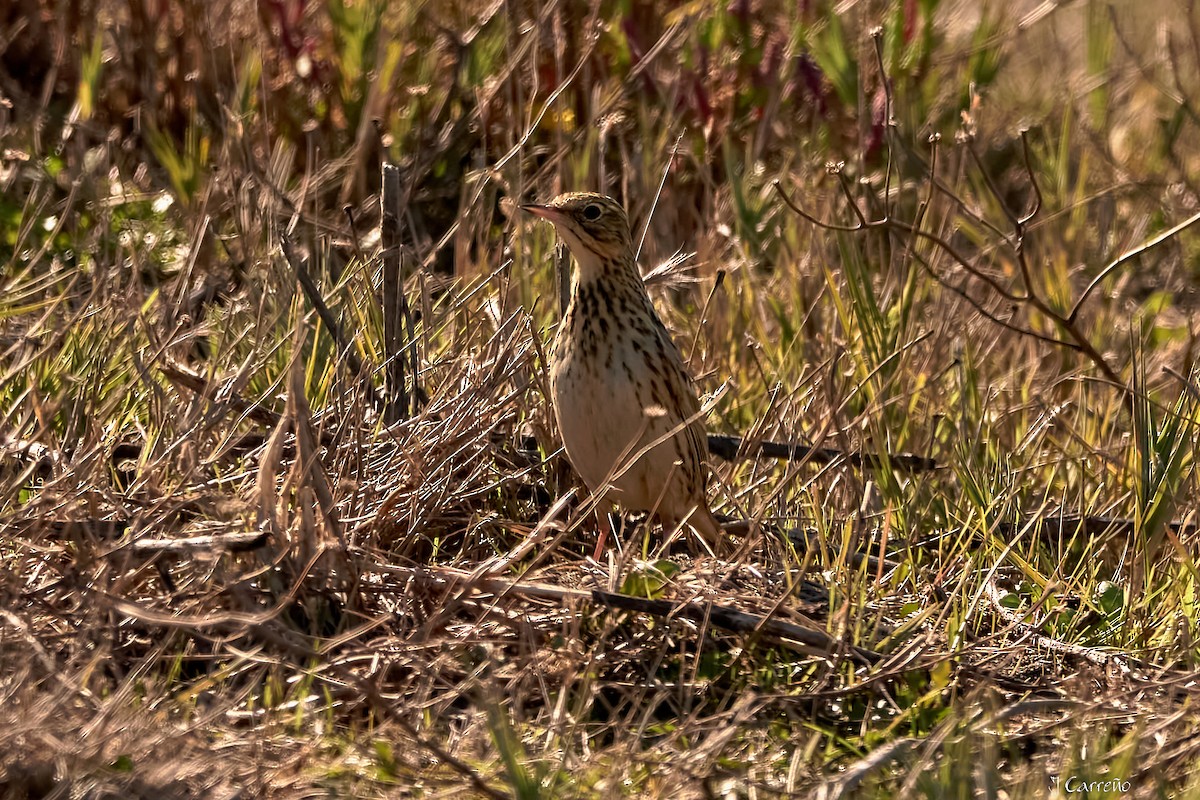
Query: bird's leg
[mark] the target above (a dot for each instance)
(673, 530)
(607, 520)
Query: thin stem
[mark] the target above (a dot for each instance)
(1037, 190)
(657, 194)
(888, 123)
(1135, 252)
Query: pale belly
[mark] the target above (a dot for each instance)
(607, 416)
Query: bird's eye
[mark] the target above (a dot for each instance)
(591, 212)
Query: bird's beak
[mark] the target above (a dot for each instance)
(548, 213)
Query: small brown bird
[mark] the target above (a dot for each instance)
(626, 407)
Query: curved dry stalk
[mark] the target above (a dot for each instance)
(1144, 247)
(1101, 658)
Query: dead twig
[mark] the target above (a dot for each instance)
(807, 641)
(240, 542)
(1030, 295)
(728, 447)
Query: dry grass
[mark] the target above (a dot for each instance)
(225, 575)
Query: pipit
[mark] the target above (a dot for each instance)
(625, 405)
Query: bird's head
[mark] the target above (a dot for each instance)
(593, 226)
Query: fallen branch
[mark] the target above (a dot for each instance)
(728, 447)
(240, 542)
(807, 641)
(112, 529)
